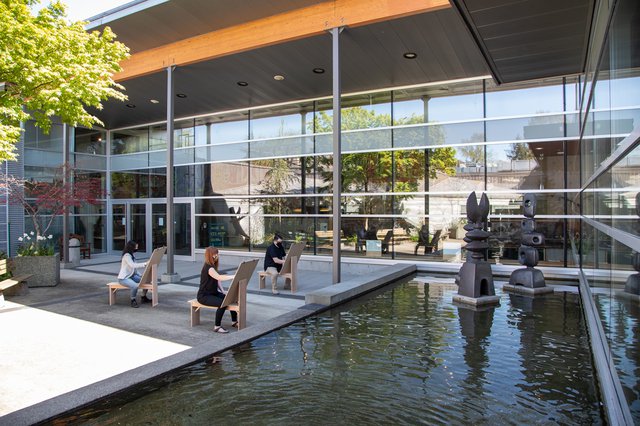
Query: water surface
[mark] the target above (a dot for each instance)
(406, 355)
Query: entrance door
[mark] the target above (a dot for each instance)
(138, 221)
(181, 224)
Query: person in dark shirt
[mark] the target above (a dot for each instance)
(211, 292)
(273, 261)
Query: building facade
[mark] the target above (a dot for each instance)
(411, 154)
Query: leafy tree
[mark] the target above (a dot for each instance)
(43, 201)
(519, 151)
(50, 67)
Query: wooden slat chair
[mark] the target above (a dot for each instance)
(148, 280)
(236, 298)
(9, 282)
(289, 269)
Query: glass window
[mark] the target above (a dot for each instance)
(438, 103)
(222, 179)
(90, 141)
(129, 141)
(537, 165)
(277, 176)
(35, 137)
(130, 185)
(229, 127)
(535, 97)
(287, 120)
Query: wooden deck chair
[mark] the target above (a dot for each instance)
(289, 269)
(148, 280)
(236, 298)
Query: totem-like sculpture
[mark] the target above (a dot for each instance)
(528, 280)
(475, 280)
(632, 285)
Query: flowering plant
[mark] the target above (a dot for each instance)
(36, 246)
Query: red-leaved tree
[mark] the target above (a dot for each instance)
(43, 201)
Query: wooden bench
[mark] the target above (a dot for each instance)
(148, 280)
(236, 298)
(10, 282)
(289, 268)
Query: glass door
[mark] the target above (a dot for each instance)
(182, 227)
(119, 226)
(138, 221)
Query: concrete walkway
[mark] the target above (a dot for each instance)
(57, 339)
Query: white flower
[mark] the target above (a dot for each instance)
(50, 236)
(25, 235)
(20, 239)
(31, 233)
(28, 238)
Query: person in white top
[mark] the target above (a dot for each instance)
(128, 274)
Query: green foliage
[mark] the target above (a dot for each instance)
(52, 67)
(520, 151)
(32, 245)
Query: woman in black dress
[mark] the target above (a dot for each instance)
(211, 292)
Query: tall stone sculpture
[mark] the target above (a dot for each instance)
(528, 280)
(475, 280)
(632, 285)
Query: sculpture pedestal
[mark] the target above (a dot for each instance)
(633, 284)
(527, 277)
(476, 301)
(526, 290)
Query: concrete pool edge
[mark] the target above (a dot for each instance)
(116, 386)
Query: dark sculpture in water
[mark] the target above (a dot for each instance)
(633, 282)
(475, 279)
(528, 256)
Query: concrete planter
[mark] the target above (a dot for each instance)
(45, 269)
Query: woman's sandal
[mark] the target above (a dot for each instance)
(219, 330)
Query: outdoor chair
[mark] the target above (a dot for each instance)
(387, 241)
(289, 269)
(423, 240)
(236, 298)
(148, 280)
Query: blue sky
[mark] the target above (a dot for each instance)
(82, 9)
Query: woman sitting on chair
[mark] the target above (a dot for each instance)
(211, 292)
(128, 274)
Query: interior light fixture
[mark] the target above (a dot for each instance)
(318, 70)
(538, 148)
(242, 83)
(410, 55)
(154, 101)
(278, 77)
(560, 152)
(181, 95)
(131, 106)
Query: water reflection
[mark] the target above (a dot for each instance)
(405, 355)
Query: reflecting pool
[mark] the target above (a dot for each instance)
(403, 355)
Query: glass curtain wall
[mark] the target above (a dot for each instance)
(608, 239)
(410, 159)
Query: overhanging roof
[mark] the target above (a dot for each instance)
(529, 39)
(371, 59)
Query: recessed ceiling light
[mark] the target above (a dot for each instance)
(278, 77)
(318, 70)
(181, 95)
(131, 106)
(410, 55)
(242, 83)
(538, 148)
(154, 101)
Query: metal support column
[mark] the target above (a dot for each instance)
(337, 153)
(65, 211)
(170, 276)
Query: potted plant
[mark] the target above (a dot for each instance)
(36, 257)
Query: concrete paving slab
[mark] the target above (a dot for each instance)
(44, 354)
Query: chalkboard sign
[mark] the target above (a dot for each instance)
(217, 232)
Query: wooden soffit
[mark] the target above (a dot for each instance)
(284, 27)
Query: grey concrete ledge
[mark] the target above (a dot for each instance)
(339, 293)
(132, 384)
